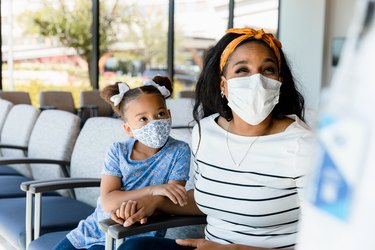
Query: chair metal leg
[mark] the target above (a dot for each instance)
(108, 242)
(29, 212)
(119, 242)
(37, 213)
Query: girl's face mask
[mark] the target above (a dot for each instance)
(154, 134)
(253, 98)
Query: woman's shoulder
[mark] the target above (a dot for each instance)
(297, 124)
(298, 129)
(207, 122)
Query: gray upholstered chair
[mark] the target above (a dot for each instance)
(49, 151)
(187, 94)
(91, 100)
(16, 97)
(95, 139)
(93, 105)
(181, 111)
(15, 137)
(5, 107)
(61, 100)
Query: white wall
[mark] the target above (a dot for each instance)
(301, 31)
(338, 19)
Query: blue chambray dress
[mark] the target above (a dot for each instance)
(172, 162)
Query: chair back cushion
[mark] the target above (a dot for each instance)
(17, 131)
(5, 107)
(92, 97)
(61, 100)
(94, 140)
(53, 137)
(181, 111)
(16, 97)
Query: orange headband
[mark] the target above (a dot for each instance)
(250, 33)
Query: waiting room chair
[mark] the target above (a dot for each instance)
(16, 97)
(91, 99)
(49, 153)
(91, 105)
(61, 100)
(187, 94)
(181, 111)
(86, 166)
(5, 107)
(15, 137)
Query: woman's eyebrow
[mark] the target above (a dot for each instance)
(241, 62)
(269, 59)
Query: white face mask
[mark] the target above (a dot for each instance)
(253, 98)
(154, 134)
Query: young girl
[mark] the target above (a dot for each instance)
(150, 163)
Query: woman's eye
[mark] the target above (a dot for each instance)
(270, 70)
(142, 119)
(241, 70)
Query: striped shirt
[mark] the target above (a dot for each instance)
(257, 203)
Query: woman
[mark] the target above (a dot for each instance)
(251, 150)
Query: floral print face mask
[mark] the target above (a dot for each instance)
(154, 134)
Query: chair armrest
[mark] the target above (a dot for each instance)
(63, 164)
(24, 186)
(10, 161)
(105, 224)
(34, 191)
(13, 146)
(92, 109)
(46, 107)
(41, 186)
(154, 223)
(89, 106)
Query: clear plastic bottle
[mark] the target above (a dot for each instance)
(340, 208)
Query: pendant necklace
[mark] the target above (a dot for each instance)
(247, 151)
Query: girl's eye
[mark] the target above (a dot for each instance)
(161, 114)
(142, 119)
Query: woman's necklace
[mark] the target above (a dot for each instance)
(247, 151)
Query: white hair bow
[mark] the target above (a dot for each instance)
(123, 88)
(163, 90)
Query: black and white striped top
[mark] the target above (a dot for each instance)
(257, 203)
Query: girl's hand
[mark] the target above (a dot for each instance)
(136, 211)
(200, 244)
(127, 209)
(175, 192)
(116, 218)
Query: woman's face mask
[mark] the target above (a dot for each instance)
(253, 98)
(154, 134)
